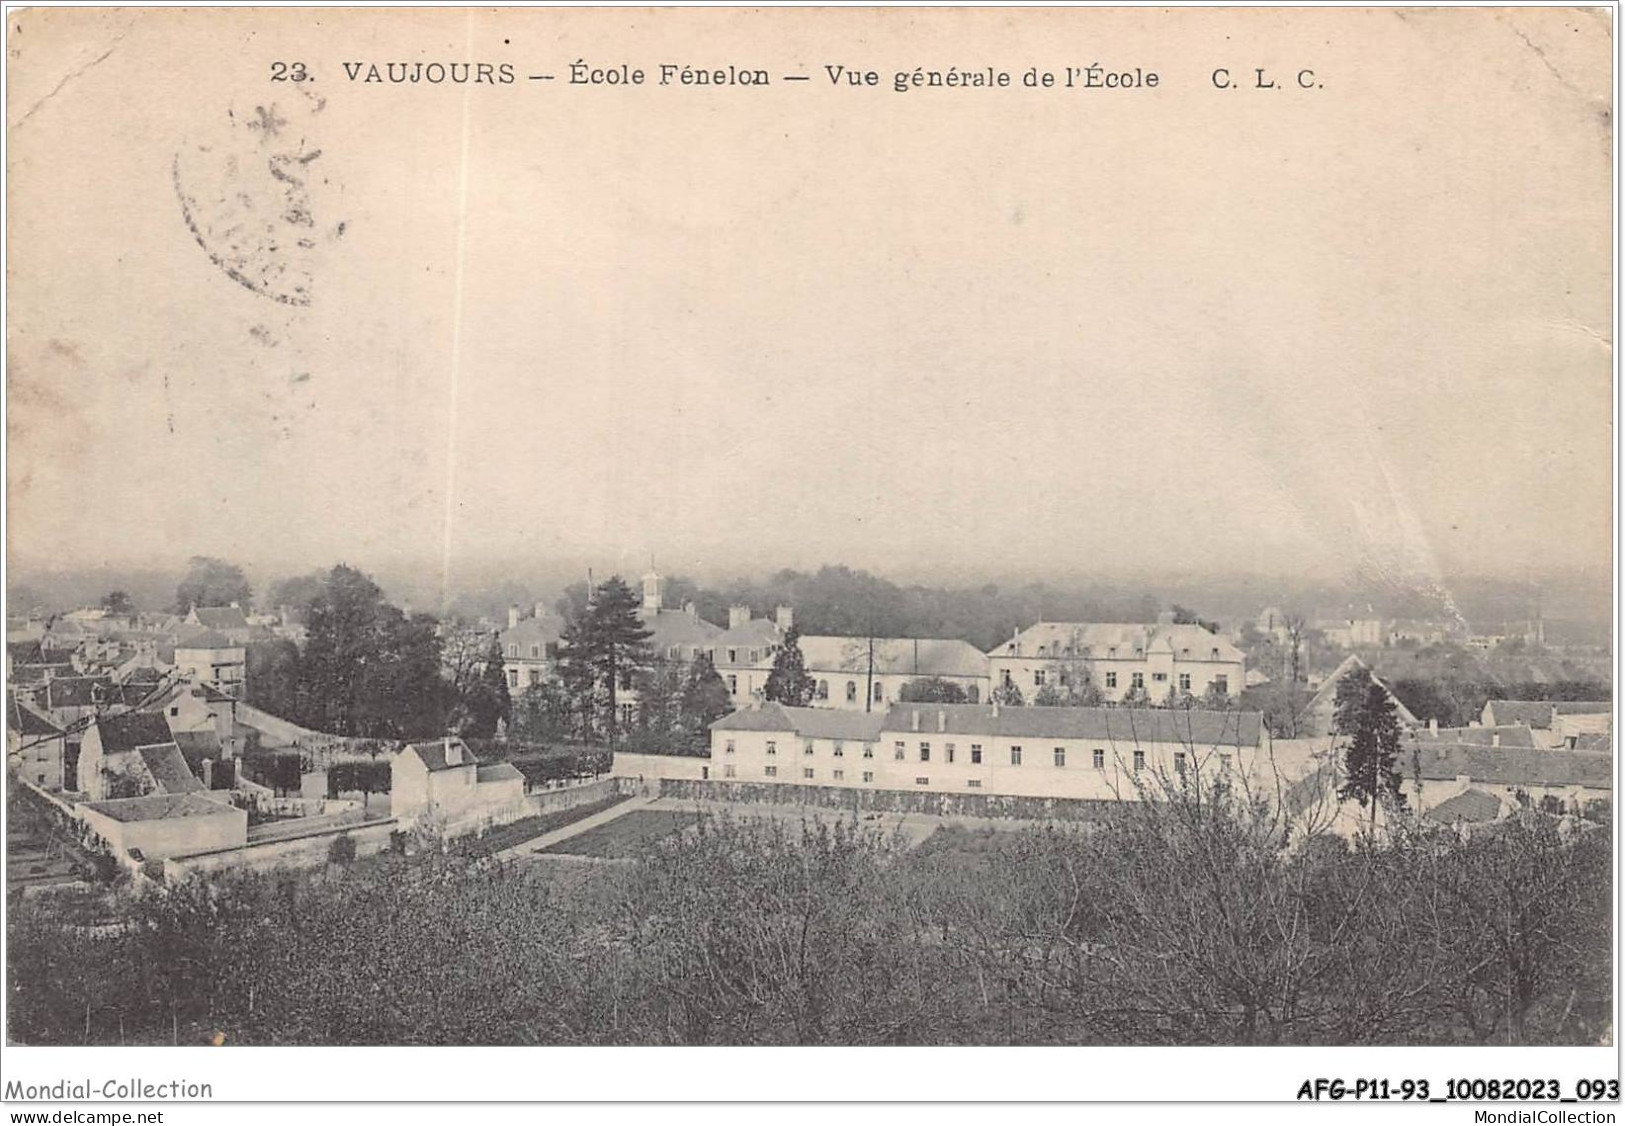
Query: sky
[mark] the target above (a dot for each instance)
(1361, 327)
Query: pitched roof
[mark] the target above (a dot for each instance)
(129, 730)
(894, 656)
(1096, 640)
(432, 753)
(196, 746)
(25, 652)
(1532, 713)
(1317, 715)
(497, 772)
(756, 632)
(221, 617)
(77, 691)
(1507, 734)
(1469, 805)
(169, 770)
(1512, 766)
(1594, 741)
(1192, 727)
(36, 674)
(533, 631)
(1583, 707)
(677, 627)
(26, 721)
(158, 807)
(809, 723)
(208, 639)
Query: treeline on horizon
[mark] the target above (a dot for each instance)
(845, 600)
(1186, 921)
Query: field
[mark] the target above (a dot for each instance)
(518, 832)
(636, 832)
(34, 856)
(628, 835)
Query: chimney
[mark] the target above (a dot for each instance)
(738, 616)
(454, 753)
(914, 719)
(513, 615)
(785, 617)
(540, 610)
(691, 610)
(942, 720)
(1433, 725)
(1015, 642)
(1495, 738)
(995, 708)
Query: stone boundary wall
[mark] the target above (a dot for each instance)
(306, 851)
(934, 803)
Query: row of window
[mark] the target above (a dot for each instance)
(1097, 757)
(1087, 651)
(534, 677)
(1136, 680)
(808, 774)
(551, 649)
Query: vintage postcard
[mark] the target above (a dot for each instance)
(1083, 529)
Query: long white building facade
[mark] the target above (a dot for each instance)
(1100, 753)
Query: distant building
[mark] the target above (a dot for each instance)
(1272, 623)
(1565, 780)
(852, 673)
(214, 659)
(190, 708)
(229, 621)
(69, 699)
(1120, 658)
(1098, 753)
(1461, 785)
(36, 747)
(743, 654)
(1352, 632)
(1318, 716)
(1418, 633)
(1554, 723)
(530, 647)
(1504, 735)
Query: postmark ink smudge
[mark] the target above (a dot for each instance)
(249, 200)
